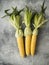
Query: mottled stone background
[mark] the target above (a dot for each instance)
(9, 54)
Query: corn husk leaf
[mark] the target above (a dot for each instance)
(42, 23)
(14, 17)
(39, 20)
(43, 7)
(15, 21)
(27, 16)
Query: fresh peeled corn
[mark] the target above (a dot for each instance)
(33, 44)
(28, 44)
(21, 46)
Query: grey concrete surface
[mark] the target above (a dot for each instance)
(9, 54)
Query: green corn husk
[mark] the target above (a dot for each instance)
(27, 20)
(15, 20)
